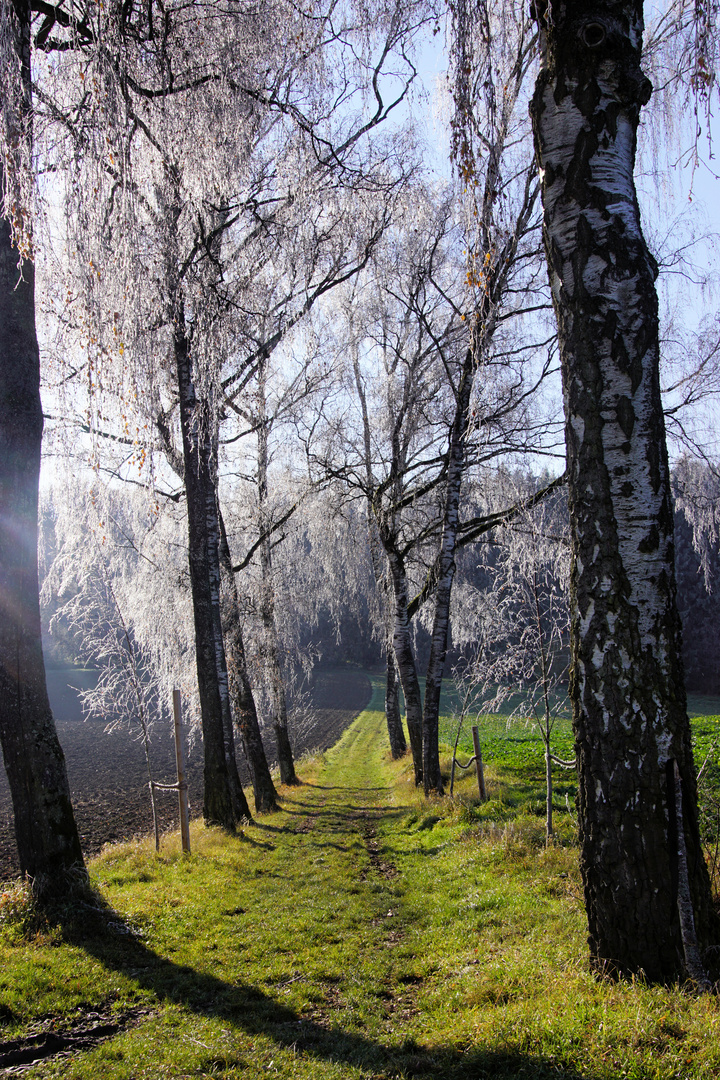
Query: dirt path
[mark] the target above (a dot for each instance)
(343, 819)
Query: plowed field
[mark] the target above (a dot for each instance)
(108, 775)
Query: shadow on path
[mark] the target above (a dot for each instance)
(255, 1013)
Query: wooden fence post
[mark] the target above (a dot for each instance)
(181, 781)
(479, 764)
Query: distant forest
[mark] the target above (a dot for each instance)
(699, 611)
(341, 626)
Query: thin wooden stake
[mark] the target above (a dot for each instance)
(156, 822)
(479, 763)
(181, 781)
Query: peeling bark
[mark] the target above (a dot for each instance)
(626, 687)
(45, 830)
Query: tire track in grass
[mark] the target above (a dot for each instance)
(361, 754)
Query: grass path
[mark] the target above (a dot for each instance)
(359, 933)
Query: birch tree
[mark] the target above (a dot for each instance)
(646, 887)
(383, 583)
(435, 399)
(500, 194)
(212, 158)
(272, 400)
(241, 692)
(154, 83)
(393, 454)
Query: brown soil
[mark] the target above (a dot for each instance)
(48, 1040)
(108, 775)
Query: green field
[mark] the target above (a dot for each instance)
(512, 745)
(514, 760)
(361, 933)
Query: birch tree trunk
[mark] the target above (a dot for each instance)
(47, 838)
(241, 810)
(405, 658)
(396, 735)
(45, 831)
(629, 707)
(243, 702)
(271, 656)
(432, 778)
(203, 541)
(271, 645)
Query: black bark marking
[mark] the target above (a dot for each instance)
(625, 416)
(577, 174)
(651, 542)
(593, 34)
(624, 660)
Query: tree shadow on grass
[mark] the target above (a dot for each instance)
(341, 787)
(103, 934)
(264, 846)
(344, 812)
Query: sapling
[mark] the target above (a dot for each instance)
(115, 590)
(525, 650)
(696, 489)
(126, 693)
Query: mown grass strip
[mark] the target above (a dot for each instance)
(361, 932)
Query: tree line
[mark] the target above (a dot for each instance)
(261, 309)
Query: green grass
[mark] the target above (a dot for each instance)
(359, 933)
(513, 749)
